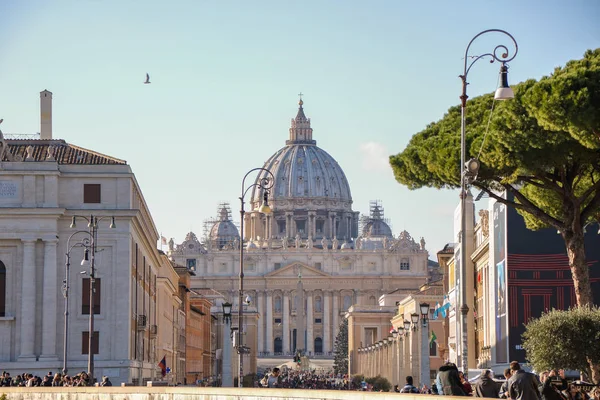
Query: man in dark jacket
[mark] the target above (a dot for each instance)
(504, 388)
(450, 381)
(485, 386)
(550, 391)
(409, 388)
(522, 385)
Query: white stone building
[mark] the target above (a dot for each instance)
(306, 263)
(44, 183)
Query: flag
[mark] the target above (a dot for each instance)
(433, 338)
(163, 240)
(163, 366)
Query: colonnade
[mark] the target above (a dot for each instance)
(265, 226)
(394, 357)
(280, 315)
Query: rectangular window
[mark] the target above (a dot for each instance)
(318, 266)
(91, 193)
(370, 336)
(277, 320)
(85, 296)
(404, 264)
(300, 226)
(319, 227)
(317, 320)
(85, 337)
(276, 265)
(281, 227)
(191, 264)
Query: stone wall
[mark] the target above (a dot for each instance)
(194, 393)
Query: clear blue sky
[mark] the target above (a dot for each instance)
(225, 77)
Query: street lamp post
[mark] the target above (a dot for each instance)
(65, 289)
(264, 184)
(424, 370)
(469, 169)
(89, 256)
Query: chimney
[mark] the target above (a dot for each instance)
(46, 114)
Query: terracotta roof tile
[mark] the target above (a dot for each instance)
(64, 153)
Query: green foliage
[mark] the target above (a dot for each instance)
(379, 383)
(542, 147)
(340, 349)
(3, 397)
(357, 380)
(545, 144)
(564, 339)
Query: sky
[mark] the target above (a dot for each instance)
(225, 77)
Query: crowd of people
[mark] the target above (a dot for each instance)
(300, 379)
(50, 380)
(518, 385)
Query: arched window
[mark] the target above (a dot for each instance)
(372, 301)
(277, 304)
(318, 304)
(277, 345)
(347, 302)
(318, 345)
(433, 349)
(2, 289)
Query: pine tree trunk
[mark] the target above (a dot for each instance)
(595, 371)
(574, 241)
(579, 268)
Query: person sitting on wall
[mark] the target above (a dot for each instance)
(409, 388)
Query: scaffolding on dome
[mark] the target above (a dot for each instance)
(223, 214)
(376, 212)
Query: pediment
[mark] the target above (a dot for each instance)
(293, 269)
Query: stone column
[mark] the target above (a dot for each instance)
(310, 343)
(50, 301)
(288, 224)
(326, 322)
(286, 322)
(414, 356)
(226, 373)
(424, 355)
(260, 302)
(407, 366)
(336, 314)
(269, 322)
(27, 330)
(394, 366)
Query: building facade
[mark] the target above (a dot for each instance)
(49, 190)
(515, 274)
(311, 259)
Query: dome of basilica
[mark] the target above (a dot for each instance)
(303, 170)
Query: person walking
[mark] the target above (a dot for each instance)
(450, 381)
(273, 380)
(522, 385)
(485, 386)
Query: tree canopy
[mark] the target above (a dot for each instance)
(565, 339)
(542, 147)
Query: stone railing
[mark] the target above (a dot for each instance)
(195, 393)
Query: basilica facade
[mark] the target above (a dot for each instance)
(311, 259)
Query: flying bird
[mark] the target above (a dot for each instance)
(147, 79)
(1, 120)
